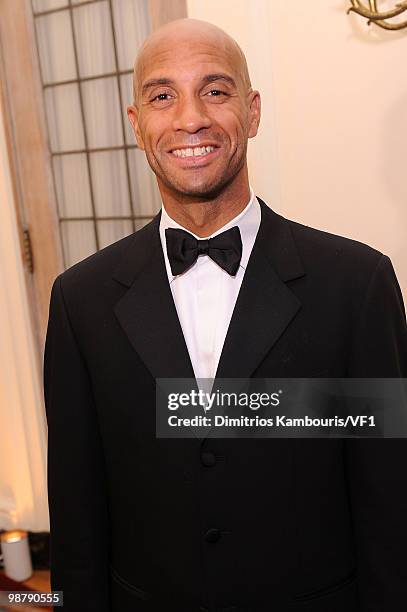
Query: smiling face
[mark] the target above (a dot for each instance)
(194, 108)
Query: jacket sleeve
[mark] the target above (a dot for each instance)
(78, 503)
(377, 468)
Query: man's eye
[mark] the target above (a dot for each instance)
(162, 97)
(216, 93)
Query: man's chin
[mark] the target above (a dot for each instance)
(203, 191)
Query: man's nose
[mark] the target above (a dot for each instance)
(191, 115)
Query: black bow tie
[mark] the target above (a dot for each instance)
(183, 249)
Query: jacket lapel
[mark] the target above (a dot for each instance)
(264, 308)
(147, 311)
(265, 305)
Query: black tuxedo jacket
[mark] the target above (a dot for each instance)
(145, 524)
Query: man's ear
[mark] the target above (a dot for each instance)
(254, 113)
(132, 114)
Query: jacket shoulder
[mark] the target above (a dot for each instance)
(314, 238)
(320, 249)
(100, 266)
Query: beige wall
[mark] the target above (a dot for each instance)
(333, 145)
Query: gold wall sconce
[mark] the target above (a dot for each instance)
(373, 15)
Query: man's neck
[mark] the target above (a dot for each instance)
(203, 217)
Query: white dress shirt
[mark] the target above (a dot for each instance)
(205, 294)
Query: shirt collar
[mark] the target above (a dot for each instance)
(248, 222)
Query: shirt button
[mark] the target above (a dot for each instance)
(208, 459)
(212, 535)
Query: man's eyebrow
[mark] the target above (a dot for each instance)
(208, 78)
(219, 76)
(153, 82)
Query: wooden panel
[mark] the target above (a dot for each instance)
(29, 154)
(39, 581)
(163, 11)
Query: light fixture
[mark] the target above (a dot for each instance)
(16, 555)
(381, 19)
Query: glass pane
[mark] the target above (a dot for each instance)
(102, 112)
(78, 240)
(145, 193)
(72, 186)
(110, 186)
(46, 5)
(94, 40)
(64, 118)
(132, 25)
(55, 47)
(126, 84)
(111, 231)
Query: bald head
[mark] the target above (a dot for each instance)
(194, 110)
(188, 33)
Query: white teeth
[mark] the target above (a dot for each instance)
(196, 152)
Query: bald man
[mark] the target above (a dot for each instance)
(217, 285)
